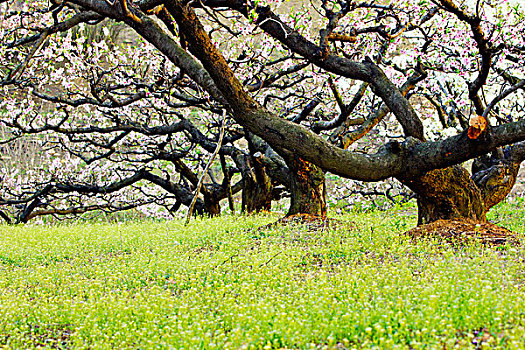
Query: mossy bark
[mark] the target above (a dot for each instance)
(452, 193)
(447, 194)
(495, 178)
(307, 187)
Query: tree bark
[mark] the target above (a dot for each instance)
(452, 193)
(307, 187)
(211, 206)
(495, 177)
(447, 194)
(257, 189)
(257, 193)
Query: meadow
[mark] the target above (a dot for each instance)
(223, 284)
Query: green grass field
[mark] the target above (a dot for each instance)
(221, 284)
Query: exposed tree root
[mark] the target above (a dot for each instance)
(465, 229)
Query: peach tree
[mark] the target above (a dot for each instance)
(366, 90)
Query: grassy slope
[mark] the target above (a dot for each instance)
(217, 284)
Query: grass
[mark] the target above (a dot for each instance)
(219, 284)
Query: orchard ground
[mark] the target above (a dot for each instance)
(223, 283)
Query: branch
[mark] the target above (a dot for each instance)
(486, 55)
(370, 123)
(346, 111)
(504, 94)
(82, 17)
(81, 210)
(22, 66)
(366, 71)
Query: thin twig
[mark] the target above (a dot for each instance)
(273, 257)
(206, 169)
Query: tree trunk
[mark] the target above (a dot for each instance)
(452, 193)
(212, 206)
(257, 189)
(447, 194)
(307, 187)
(495, 177)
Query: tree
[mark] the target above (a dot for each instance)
(457, 64)
(123, 136)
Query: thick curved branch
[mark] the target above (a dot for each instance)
(366, 71)
(394, 160)
(346, 111)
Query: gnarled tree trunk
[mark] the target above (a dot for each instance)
(447, 194)
(257, 189)
(452, 193)
(258, 186)
(212, 206)
(495, 177)
(307, 187)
